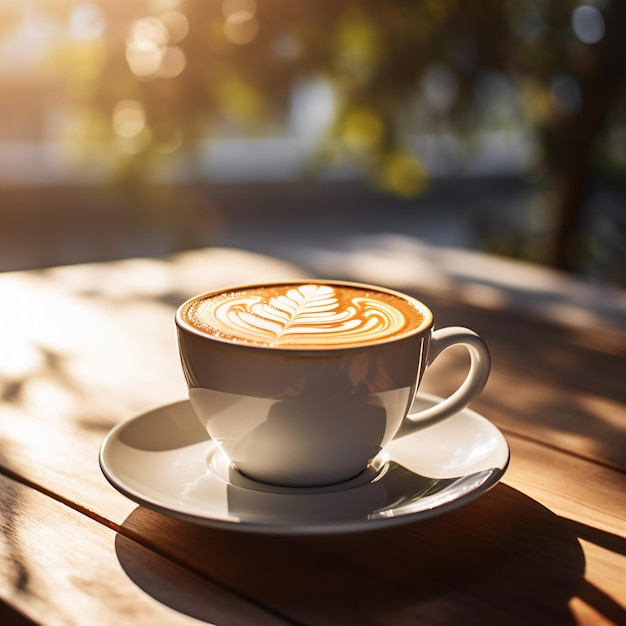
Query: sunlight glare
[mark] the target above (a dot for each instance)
(28, 42)
(18, 359)
(487, 296)
(86, 22)
(47, 396)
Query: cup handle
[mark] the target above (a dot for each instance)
(480, 364)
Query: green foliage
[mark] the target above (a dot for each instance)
(396, 68)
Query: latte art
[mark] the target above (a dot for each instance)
(305, 315)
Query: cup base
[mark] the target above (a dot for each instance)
(219, 463)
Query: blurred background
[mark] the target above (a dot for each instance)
(148, 127)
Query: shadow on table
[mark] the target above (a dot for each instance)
(12, 617)
(503, 559)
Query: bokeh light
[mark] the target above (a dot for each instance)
(286, 46)
(157, 6)
(145, 47)
(588, 24)
(440, 87)
(147, 51)
(358, 47)
(148, 30)
(313, 107)
(173, 62)
(404, 175)
(129, 118)
(167, 139)
(384, 92)
(144, 58)
(240, 23)
(230, 7)
(177, 25)
(129, 123)
(241, 27)
(136, 143)
(239, 101)
(565, 95)
(362, 130)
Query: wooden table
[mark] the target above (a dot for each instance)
(83, 348)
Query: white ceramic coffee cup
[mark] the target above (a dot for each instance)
(317, 416)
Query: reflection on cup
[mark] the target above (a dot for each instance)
(302, 384)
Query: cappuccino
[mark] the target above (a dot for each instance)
(302, 383)
(311, 315)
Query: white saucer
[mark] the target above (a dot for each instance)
(164, 460)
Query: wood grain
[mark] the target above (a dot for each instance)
(531, 405)
(545, 546)
(503, 559)
(61, 567)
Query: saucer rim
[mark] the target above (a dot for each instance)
(299, 528)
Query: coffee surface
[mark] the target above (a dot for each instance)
(303, 315)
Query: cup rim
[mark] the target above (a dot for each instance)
(426, 324)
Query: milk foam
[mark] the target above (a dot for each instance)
(306, 315)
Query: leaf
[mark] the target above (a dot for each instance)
(312, 304)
